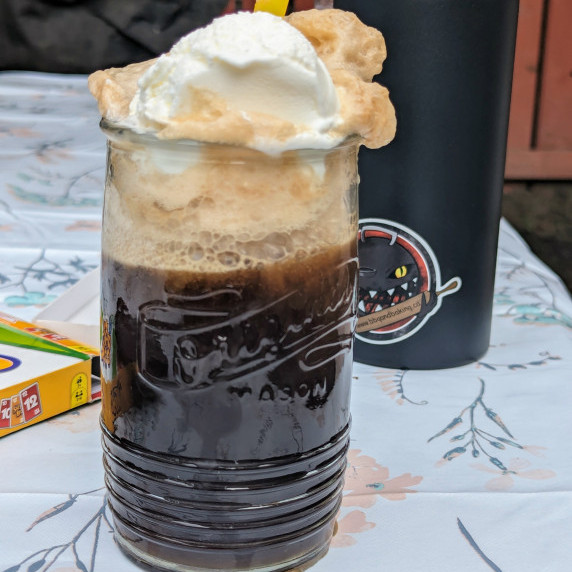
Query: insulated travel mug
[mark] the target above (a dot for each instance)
(430, 203)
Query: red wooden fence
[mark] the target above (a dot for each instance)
(540, 132)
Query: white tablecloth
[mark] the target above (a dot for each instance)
(417, 496)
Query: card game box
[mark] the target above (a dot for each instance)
(42, 373)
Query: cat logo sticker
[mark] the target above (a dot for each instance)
(399, 284)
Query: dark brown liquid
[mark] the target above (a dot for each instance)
(227, 407)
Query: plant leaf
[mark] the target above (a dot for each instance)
(450, 455)
(509, 442)
(36, 565)
(52, 512)
(376, 486)
(495, 417)
(497, 463)
(452, 425)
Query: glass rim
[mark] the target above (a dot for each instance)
(123, 133)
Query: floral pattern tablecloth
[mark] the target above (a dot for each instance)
(461, 469)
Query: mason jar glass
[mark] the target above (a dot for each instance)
(229, 302)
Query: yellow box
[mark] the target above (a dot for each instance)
(42, 374)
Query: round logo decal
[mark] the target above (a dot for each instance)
(399, 283)
(8, 363)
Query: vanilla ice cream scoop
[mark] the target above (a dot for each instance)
(250, 63)
(258, 80)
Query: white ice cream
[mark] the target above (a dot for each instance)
(253, 64)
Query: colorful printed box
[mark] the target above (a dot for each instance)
(42, 374)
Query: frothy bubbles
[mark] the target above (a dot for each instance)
(229, 209)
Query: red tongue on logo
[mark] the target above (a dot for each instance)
(370, 302)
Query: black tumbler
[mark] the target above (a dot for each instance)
(430, 202)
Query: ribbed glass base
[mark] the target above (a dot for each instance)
(198, 515)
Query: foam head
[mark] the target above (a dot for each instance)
(211, 208)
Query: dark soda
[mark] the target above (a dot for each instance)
(226, 420)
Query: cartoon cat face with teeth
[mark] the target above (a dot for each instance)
(388, 274)
(395, 267)
(399, 283)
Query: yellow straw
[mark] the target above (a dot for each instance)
(276, 7)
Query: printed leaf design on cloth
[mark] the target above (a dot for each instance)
(479, 441)
(35, 566)
(515, 468)
(34, 279)
(476, 547)
(547, 358)
(539, 314)
(29, 299)
(449, 455)
(53, 511)
(494, 417)
(46, 184)
(80, 565)
(509, 442)
(523, 303)
(497, 463)
(535, 450)
(367, 480)
(52, 201)
(352, 523)
(87, 537)
(392, 384)
(476, 439)
(449, 427)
